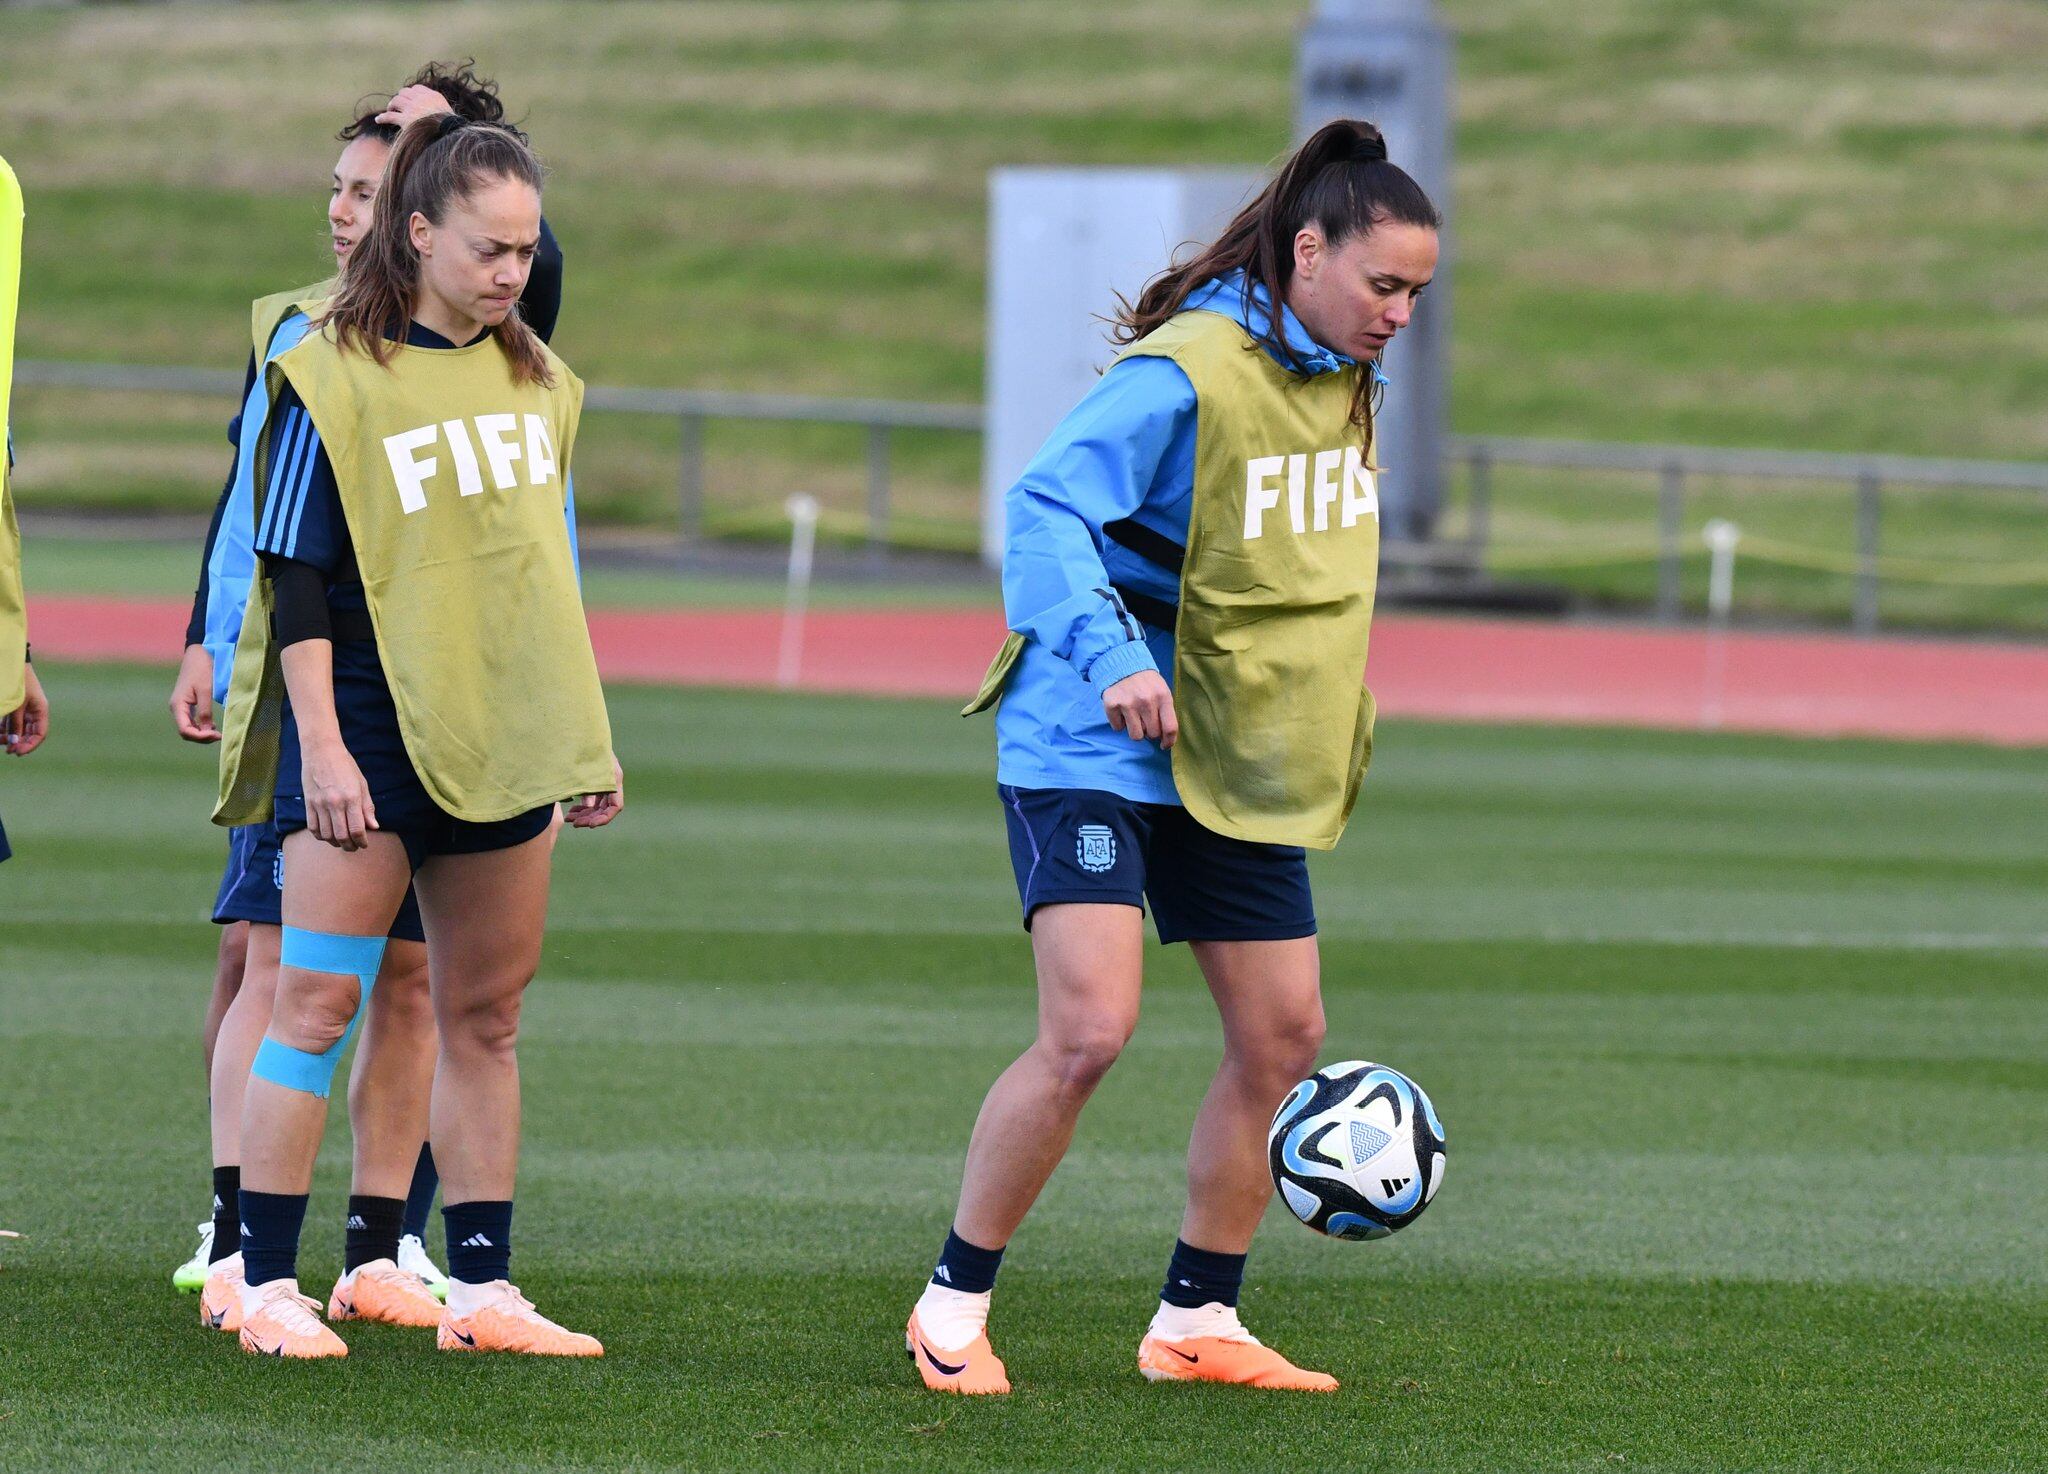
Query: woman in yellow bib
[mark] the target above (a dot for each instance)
(1188, 579)
(419, 584)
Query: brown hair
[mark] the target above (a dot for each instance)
(472, 97)
(438, 162)
(1341, 182)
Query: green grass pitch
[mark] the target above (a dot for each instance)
(1739, 1042)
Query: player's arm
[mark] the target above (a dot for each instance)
(591, 810)
(192, 691)
(302, 539)
(22, 730)
(338, 804)
(1094, 470)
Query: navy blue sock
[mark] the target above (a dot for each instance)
(270, 1235)
(479, 1241)
(227, 1212)
(419, 1198)
(372, 1231)
(967, 1267)
(1198, 1277)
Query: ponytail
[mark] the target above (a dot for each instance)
(437, 161)
(1341, 182)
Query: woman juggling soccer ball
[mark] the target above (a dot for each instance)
(1188, 577)
(419, 587)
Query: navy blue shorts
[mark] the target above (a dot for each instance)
(252, 887)
(368, 719)
(1081, 844)
(438, 833)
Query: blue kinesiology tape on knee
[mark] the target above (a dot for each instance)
(312, 951)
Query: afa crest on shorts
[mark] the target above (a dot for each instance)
(1096, 848)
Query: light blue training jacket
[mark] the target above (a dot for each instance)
(231, 560)
(1127, 450)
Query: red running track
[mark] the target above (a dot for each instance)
(1490, 670)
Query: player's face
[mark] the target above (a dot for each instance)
(352, 197)
(1356, 297)
(477, 259)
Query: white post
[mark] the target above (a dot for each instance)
(1722, 536)
(803, 541)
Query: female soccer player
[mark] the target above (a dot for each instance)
(419, 588)
(387, 1272)
(1209, 510)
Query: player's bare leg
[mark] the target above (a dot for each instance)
(1270, 997)
(342, 900)
(484, 915)
(229, 961)
(1090, 975)
(388, 1089)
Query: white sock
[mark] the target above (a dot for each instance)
(1179, 1323)
(951, 1318)
(467, 1299)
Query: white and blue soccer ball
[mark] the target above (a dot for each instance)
(1356, 1151)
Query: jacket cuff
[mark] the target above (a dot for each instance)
(1120, 661)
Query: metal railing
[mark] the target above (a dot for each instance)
(689, 408)
(1672, 465)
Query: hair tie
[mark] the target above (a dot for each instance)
(1371, 149)
(449, 123)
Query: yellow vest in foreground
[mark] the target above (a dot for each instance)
(1275, 595)
(13, 607)
(453, 481)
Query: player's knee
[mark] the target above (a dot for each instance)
(322, 978)
(1285, 1048)
(313, 1011)
(1080, 1056)
(403, 998)
(486, 1027)
(233, 959)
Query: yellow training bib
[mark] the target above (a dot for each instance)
(453, 481)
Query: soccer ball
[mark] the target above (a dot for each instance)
(1356, 1151)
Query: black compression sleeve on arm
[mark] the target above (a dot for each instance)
(298, 601)
(195, 627)
(541, 303)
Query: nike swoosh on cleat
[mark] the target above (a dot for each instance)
(1190, 1360)
(939, 1366)
(465, 1340)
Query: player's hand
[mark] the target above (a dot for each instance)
(595, 810)
(338, 805)
(192, 696)
(409, 104)
(1141, 707)
(24, 728)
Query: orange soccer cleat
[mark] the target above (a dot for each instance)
(507, 1321)
(974, 1369)
(220, 1299)
(381, 1291)
(1239, 1361)
(285, 1323)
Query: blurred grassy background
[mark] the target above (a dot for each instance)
(1809, 224)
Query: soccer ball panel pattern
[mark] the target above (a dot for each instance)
(1356, 1150)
